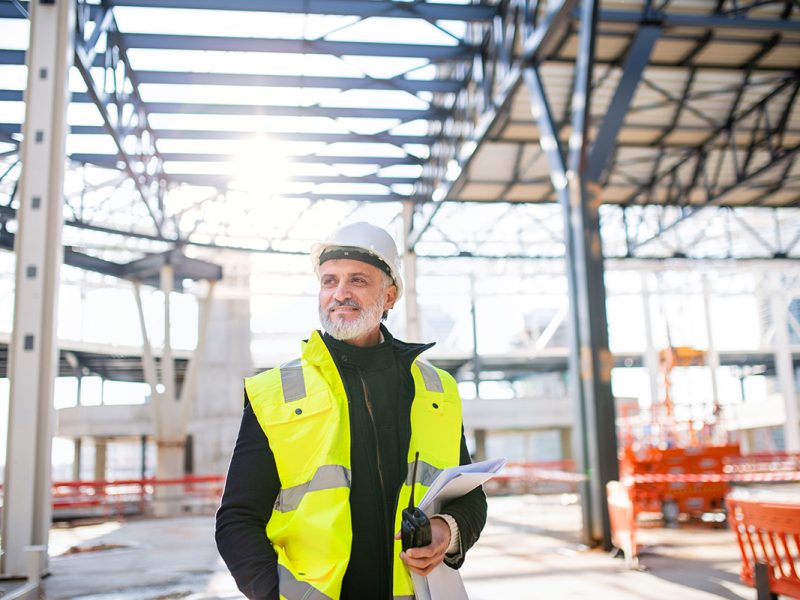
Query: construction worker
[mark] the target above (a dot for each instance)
(322, 467)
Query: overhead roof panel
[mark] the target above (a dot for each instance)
(494, 161)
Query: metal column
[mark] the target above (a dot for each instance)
(784, 367)
(650, 353)
(413, 330)
(589, 292)
(34, 352)
(712, 359)
(551, 145)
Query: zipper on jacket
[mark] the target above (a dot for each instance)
(389, 524)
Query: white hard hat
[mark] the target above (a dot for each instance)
(369, 239)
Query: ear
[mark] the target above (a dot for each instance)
(390, 297)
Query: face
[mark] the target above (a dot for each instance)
(352, 299)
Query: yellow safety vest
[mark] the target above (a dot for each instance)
(302, 408)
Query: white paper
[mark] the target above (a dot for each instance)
(445, 583)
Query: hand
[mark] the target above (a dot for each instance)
(425, 559)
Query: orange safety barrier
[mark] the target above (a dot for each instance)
(658, 482)
(623, 521)
(769, 541)
(129, 496)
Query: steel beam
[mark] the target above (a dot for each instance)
(214, 134)
(196, 108)
(606, 141)
(358, 8)
(412, 86)
(209, 43)
(34, 345)
(382, 161)
(225, 180)
(150, 269)
(12, 57)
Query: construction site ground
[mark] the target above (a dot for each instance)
(530, 549)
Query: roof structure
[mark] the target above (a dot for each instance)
(199, 121)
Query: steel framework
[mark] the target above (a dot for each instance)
(674, 132)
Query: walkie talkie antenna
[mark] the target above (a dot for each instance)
(413, 482)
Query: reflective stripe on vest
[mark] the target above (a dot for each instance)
(433, 383)
(303, 409)
(426, 474)
(293, 589)
(292, 381)
(326, 477)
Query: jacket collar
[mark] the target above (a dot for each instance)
(316, 352)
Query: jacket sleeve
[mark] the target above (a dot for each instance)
(469, 511)
(251, 488)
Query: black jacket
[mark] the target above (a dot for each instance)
(380, 434)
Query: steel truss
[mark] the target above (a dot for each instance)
(135, 139)
(98, 43)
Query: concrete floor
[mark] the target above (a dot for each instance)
(529, 550)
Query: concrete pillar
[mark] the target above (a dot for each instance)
(222, 366)
(100, 459)
(565, 435)
(480, 445)
(33, 350)
(746, 441)
(413, 327)
(169, 430)
(784, 367)
(171, 413)
(76, 459)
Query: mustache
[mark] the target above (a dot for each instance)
(337, 303)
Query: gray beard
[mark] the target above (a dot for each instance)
(369, 317)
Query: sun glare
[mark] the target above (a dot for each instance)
(261, 168)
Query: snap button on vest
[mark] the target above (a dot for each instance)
(435, 405)
(298, 411)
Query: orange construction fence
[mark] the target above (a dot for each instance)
(769, 541)
(131, 496)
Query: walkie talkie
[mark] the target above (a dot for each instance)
(415, 527)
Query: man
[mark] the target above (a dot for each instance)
(322, 467)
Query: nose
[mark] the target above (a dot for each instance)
(342, 292)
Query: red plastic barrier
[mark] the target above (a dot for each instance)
(769, 540)
(623, 521)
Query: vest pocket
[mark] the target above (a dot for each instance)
(298, 410)
(298, 432)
